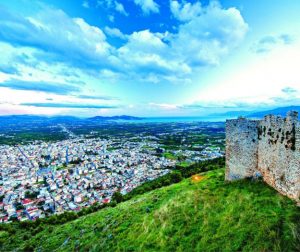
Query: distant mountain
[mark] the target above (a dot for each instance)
(35, 119)
(277, 111)
(230, 114)
(114, 118)
(21, 117)
(282, 111)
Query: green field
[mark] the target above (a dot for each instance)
(207, 214)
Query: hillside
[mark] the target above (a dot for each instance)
(199, 214)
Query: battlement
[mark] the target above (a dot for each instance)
(269, 148)
(292, 116)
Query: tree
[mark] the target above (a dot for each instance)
(118, 197)
(176, 177)
(20, 207)
(31, 195)
(13, 218)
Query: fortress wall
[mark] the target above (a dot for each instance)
(293, 171)
(278, 159)
(298, 137)
(241, 148)
(272, 150)
(268, 147)
(296, 171)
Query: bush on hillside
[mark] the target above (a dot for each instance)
(118, 197)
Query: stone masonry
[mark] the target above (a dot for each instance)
(269, 148)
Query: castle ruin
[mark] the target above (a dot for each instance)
(267, 148)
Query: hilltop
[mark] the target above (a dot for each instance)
(202, 213)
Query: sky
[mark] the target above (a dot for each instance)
(148, 57)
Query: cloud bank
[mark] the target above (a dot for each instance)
(199, 41)
(68, 105)
(40, 86)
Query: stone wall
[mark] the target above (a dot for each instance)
(241, 148)
(268, 147)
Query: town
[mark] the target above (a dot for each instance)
(44, 178)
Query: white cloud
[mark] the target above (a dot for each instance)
(271, 42)
(185, 11)
(147, 6)
(110, 4)
(106, 3)
(10, 109)
(203, 40)
(94, 38)
(56, 38)
(199, 42)
(146, 41)
(163, 106)
(272, 80)
(120, 8)
(115, 32)
(244, 102)
(85, 4)
(111, 18)
(146, 54)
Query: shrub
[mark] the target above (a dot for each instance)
(176, 177)
(118, 197)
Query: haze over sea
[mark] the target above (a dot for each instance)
(175, 119)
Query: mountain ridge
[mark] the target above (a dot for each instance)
(65, 117)
(68, 118)
(281, 111)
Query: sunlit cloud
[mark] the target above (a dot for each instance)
(97, 97)
(40, 86)
(67, 105)
(163, 106)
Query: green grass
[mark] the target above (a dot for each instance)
(169, 155)
(210, 215)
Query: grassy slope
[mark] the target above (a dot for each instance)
(209, 215)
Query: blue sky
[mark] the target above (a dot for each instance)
(148, 57)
